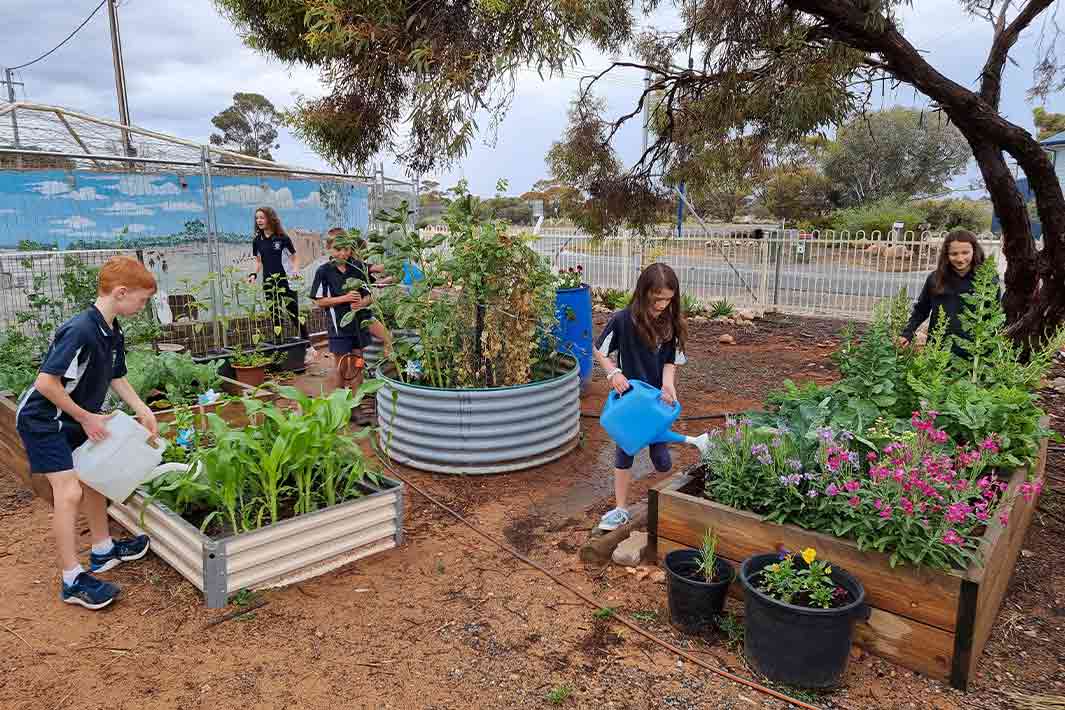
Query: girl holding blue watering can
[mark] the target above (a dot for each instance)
(647, 341)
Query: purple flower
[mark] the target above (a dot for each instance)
(852, 458)
(832, 489)
(784, 553)
(812, 493)
(845, 435)
(825, 434)
(795, 464)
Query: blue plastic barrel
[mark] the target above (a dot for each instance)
(573, 307)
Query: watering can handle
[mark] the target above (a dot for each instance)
(633, 384)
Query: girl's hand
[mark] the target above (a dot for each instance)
(620, 383)
(901, 342)
(669, 394)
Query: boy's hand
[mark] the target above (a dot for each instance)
(669, 394)
(95, 426)
(147, 419)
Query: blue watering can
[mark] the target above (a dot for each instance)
(411, 273)
(639, 418)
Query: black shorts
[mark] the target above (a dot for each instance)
(52, 451)
(659, 453)
(344, 344)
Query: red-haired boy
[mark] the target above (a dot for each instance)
(62, 410)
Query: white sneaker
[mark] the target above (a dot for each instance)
(614, 519)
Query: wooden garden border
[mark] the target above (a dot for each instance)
(932, 621)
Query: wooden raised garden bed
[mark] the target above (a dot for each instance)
(932, 621)
(283, 553)
(13, 456)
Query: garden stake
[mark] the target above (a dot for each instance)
(598, 605)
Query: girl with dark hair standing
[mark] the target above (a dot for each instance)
(647, 339)
(269, 247)
(959, 258)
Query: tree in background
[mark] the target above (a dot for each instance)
(1048, 123)
(796, 193)
(432, 64)
(248, 127)
(900, 153)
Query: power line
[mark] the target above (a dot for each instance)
(69, 37)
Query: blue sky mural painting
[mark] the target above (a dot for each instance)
(84, 208)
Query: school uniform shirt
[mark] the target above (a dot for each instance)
(636, 360)
(272, 252)
(329, 282)
(86, 354)
(951, 301)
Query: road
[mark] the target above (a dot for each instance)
(809, 280)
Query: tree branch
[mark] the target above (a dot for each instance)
(1005, 38)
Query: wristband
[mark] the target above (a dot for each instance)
(610, 375)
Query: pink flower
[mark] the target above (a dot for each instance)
(879, 504)
(951, 537)
(852, 486)
(1004, 518)
(854, 502)
(871, 456)
(886, 512)
(907, 505)
(989, 444)
(958, 512)
(831, 490)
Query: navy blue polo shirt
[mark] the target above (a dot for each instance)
(272, 250)
(86, 354)
(636, 360)
(329, 282)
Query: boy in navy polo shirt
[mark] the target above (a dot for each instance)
(329, 292)
(62, 410)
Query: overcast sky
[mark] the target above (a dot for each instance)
(184, 62)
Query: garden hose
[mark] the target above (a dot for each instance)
(350, 366)
(621, 618)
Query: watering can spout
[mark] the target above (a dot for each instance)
(701, 442)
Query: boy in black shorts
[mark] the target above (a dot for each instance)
(62, 410)
(329, 293)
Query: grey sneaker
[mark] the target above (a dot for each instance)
(614, 519)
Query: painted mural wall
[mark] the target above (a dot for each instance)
(84, 209)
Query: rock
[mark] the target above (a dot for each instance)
(1058, 384)
(658, 576)
(1027, 553)
(631, 550)
(726, 339)
(746, 314)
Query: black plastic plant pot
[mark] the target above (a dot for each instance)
(693, 602)
(796, 645)
(291, 355)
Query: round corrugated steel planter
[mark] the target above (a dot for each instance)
(372, 353)
(476, 431)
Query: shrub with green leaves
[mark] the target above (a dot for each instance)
(176, 375)
(875, 220)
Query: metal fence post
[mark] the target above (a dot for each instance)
(779, 245)
(214, 258)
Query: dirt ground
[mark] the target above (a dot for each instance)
(451, 621)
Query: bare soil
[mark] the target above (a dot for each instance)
(451, 621)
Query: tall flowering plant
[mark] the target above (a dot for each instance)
(747, 461)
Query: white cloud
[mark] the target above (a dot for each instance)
(7, 211)
(139, 185)
(127, 209)
(58, 188)
(254, 195)
(76, 223)
(312, 200)
(180, 206)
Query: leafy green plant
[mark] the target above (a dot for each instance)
(732, 627)
(559, 694)
(250, 358)
(612, 298)
(174, 375)
(803, 582)
(241, 478)
(706, 562)
(692, 306)
(722, 309)
(604, 613)
(571, 278)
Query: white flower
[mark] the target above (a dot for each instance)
(413, 368)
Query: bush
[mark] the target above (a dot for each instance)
(878, 217)
(945, 215)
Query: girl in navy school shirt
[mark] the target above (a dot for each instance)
(647, 339)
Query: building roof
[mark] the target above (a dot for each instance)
(1058, 139)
